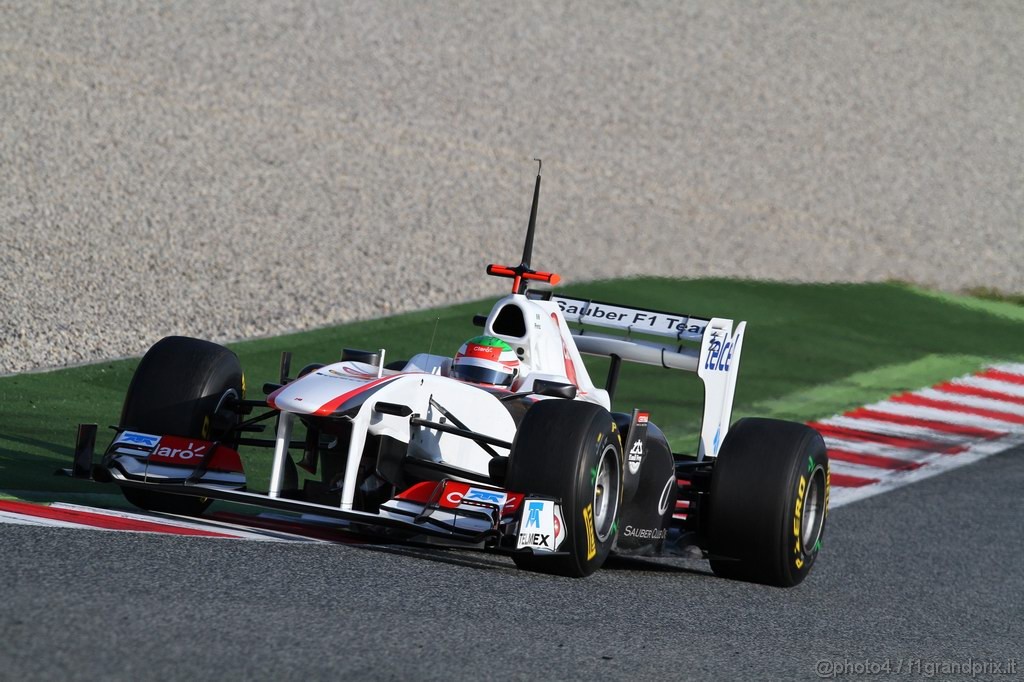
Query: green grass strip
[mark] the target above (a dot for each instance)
(810, 351)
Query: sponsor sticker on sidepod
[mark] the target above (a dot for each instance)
(541, 527)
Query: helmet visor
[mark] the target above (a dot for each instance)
(482, 375)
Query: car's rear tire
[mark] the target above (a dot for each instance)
(570, 451)
(174, 392)
(768, 502)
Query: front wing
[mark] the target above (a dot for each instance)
(448, 509)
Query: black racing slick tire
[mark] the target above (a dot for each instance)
(570, 451)
(768, 502)
(174, 392)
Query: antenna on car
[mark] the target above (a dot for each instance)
(430, 349)
(522, 273)
(532, 227)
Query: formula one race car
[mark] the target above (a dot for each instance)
(508, 446)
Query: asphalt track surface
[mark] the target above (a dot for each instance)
(931, 572)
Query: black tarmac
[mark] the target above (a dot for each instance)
(927, 576)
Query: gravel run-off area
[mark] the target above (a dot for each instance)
(237, 169)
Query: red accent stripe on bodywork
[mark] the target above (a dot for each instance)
(570, 367)
(421, 492)
(328, 408)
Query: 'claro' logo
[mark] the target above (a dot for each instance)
(186, 454)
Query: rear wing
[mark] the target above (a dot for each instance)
(639, 320)
(716, 361)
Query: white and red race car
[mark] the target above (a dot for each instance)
(541, 468)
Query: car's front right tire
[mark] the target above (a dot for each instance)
(570, 451)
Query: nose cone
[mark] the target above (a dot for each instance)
(325, 390)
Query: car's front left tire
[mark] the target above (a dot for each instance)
(174, 392)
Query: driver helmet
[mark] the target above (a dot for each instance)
(486, 360)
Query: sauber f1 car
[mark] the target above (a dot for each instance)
(509, 446)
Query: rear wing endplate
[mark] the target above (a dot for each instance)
(716, 362)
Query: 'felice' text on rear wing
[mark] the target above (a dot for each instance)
(716, 362)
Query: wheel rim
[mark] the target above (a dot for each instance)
(813, 514)
(606, 492)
